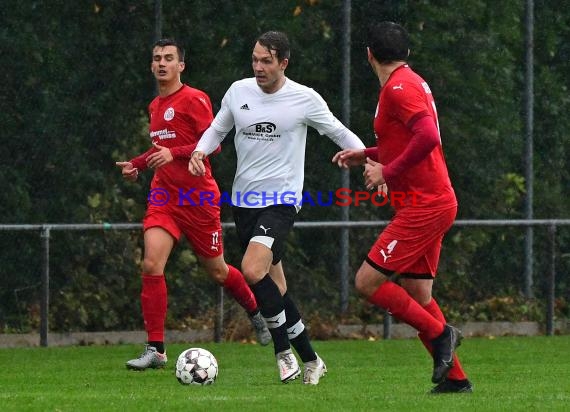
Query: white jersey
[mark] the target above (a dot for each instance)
(270, 140)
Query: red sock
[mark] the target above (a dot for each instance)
(457, 372)
(154, 298)
(400, 304)
(236, 286)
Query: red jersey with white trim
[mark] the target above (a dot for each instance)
(177, 122)
(405, 98)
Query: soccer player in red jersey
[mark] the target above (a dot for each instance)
(400, 268)
(178, 117)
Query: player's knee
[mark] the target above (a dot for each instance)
(151, 265)
(282, 287)
(362, 285)
(418, 288)
(421, 298)
(366, 283)
(252, 274)
(218, 274)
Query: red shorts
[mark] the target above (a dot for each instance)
(205, 237)
(411, 243)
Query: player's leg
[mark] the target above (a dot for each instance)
(234, 283)
(411, 244)
(256, 261)
(203, 229)
(373, 283)
(419, 283)
(456, 381)
(158, 244)
(420, 289)
(314, 367)
(262, 233)
(380, 291)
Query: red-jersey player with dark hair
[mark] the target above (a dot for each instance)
(178, 117)
(408, 158)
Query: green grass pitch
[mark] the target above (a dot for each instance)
(509, 374)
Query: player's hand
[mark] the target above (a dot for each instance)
(349, 157)
(129, 172)
(373, 174)
(196, 164)
(159, 158)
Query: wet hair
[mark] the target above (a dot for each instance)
(277, 41)
(171, 42)
(388, 42)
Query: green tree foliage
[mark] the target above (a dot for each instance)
(76, 85)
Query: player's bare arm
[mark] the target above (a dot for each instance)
(373, 176)
(128, 171)
(159, 158)
(349, 157)
(196, 163)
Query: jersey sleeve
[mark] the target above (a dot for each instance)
(139, 162)
(372, 153)
(200, 109)
(182, 152)
(407, 104)
(319, 116)
(424, 139)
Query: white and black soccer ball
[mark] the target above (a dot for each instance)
(196, 366)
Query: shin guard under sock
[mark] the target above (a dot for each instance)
(271, 306)
(154, 298)
(399, 303)
(296, 331)
(237, 287)
(456, 372)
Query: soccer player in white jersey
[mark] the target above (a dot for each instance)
(271, 113)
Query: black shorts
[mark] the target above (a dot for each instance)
(267, 225)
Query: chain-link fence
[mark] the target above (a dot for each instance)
(76, 287)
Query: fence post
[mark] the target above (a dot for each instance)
(529, 145)
(387, 325)
(344, 262)
(219, 321)
(551, 292)
(44, 305)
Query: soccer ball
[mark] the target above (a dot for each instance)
(196, 366)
